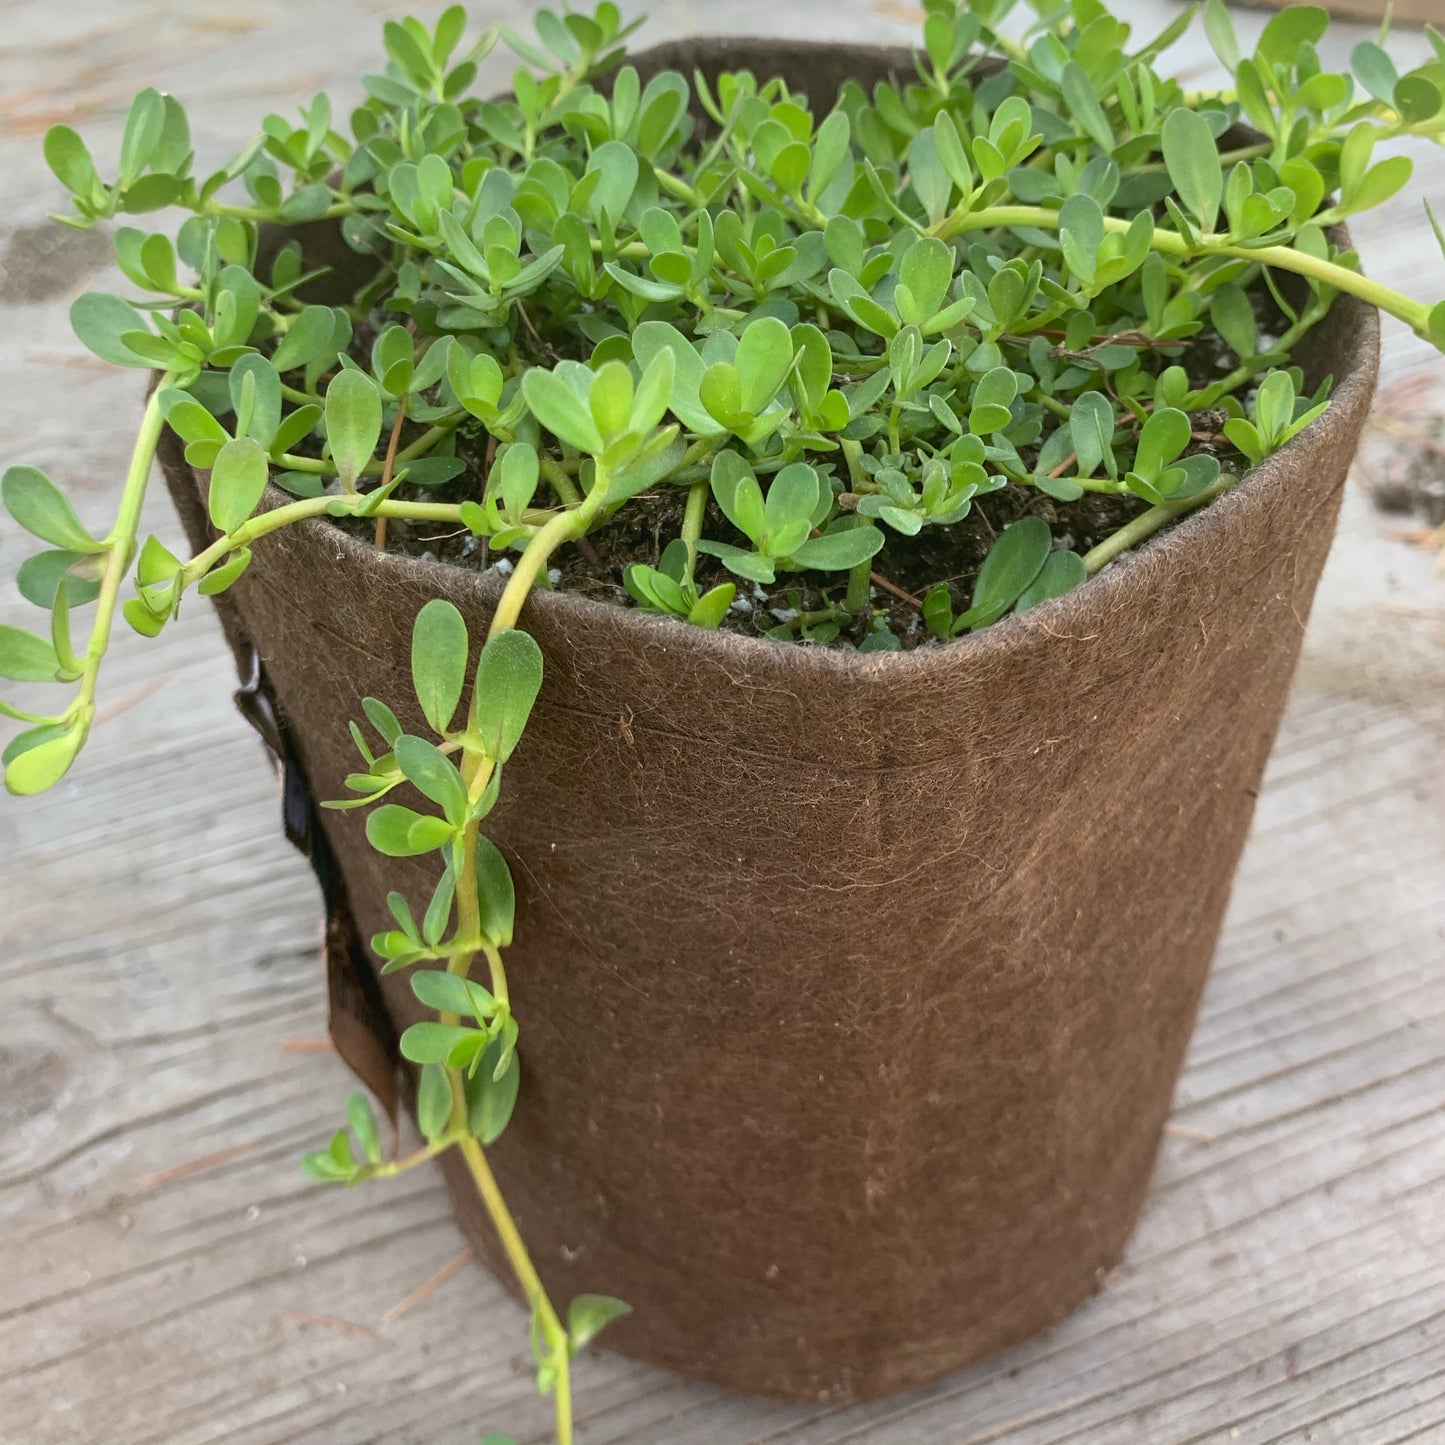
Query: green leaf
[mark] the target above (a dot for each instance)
(1435, 325)
(1081, 235)
(363, 1124)
(792, 499)
(1379, 183)
(341, 1152)
(496, 895)
(439, 909)
(830, 150)
(926, 272)
(588, 1315)
(38, 759)
(434, 775)
(617, 163)
(38, 505)
(859, 305)
(218, 579)
(738, 494)
(610, 400)
(67, 156)
(1083, 102)
(308, 203)
(1061, 572)
(1192, 160)
(938, 611)
(490, 1100)
(837, 551)
(435, 1043)
(992, 397)
(190, 420)
(641, 286)
(142, 135)
(1418, 97)
(1233, 317)
(100, 320)
(1163, 436)
(654, 392)
(558, 408)
(433, 1102)
(930, 180)
(648, 341)
(402, 833)
(439, 646)
(156, 563)
(319, 1164)
(1292, 28)
(298, 425)
(353, 423)
(1375, 71)
(40, 577)
(1274, 405)
(1091, 429)
(238, 480)
(710, 609)
(1013, 562)
(1219, 30)
(951, 152)
(509, 676)
(740, 562)
(721, 391)
(448, 993)
(24, 657)
(789, 168)
(307, 338)
(384, 720)
(764, 355)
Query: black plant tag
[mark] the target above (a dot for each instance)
(357, 1017)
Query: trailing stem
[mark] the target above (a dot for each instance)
(1147, 523)
(121, 548)
(1415, 314)
(477, 770)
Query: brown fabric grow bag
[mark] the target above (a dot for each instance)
(853, 989)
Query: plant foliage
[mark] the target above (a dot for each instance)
(1033, 269)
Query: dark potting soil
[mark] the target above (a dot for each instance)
(800, 606)
(906, 565)
(903, 572)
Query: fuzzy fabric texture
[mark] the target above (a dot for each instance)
(853, 989)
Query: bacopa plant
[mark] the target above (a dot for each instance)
(1034, 294)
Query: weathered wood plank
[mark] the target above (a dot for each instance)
(156, 948)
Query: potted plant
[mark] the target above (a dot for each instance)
(813, 540)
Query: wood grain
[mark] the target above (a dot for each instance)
(168, 1278)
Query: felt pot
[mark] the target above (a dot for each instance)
(853, 988)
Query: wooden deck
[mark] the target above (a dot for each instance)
(168, 1278)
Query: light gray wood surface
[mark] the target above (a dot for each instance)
(158, 979)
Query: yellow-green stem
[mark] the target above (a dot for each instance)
(527, 1277)
(261, 213)
(410, 1161)
(476, 773)
(340, 506)
(1415, 314)
(560, 482)
(121, 545)
(1147, 523)
(692, 519)
(320, 467)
